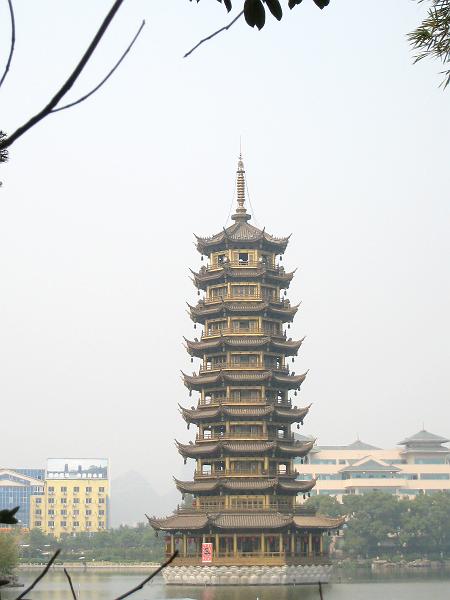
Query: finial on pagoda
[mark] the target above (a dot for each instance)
(241, 211)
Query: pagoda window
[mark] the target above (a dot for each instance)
(267, 259)
(206, 469)
(243, 258)
(221, 259)
(244, 290)
(247, 502)
(218, 292)
(243, 395)
(269, 293)
(245, 325)
(273, 327)
(246, 430)
(246, 467)
(246, 359)
(215, 326)
(273, 362)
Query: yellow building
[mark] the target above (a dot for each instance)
(75, 498)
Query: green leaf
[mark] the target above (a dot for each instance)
(275, 8)
(254, 13)
(321, 3)
(293, 3)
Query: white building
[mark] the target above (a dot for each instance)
(421, 465)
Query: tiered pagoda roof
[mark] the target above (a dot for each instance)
(277, 309)
(288, 347)
(268, 484)
(240, 233)
(273, 412)
(238, 447)
(196, 382)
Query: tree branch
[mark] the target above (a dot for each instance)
(147, 579)
(66, 573)
(13, 42)
(39, 577)
(105, 79)
(214, 34)
(69, 83)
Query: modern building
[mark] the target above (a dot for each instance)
(421, 465)
(244, 513)
(17, 488)
(75, 497)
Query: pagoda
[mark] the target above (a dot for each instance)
(242, 523)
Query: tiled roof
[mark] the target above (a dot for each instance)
(241, 231)
(244, 521)
(193, 487)
(244, 375)
(423, 437)
(317, 522)
(369, 463)
(205, 414)
(244, 447)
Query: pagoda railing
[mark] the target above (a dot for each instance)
(241, 366)
(231, 435)
(231, 400)
(250, 331)
(244, 473)
(252, 264)
(253, 297)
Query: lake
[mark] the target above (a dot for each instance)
(103, 586)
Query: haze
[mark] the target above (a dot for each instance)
(346, 145)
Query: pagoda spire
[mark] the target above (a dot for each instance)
(241, 212)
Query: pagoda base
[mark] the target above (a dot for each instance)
(248, 575)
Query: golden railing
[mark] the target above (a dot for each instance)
(250, 331)
(240, 435)
(243, 366)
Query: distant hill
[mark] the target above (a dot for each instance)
(132, 496)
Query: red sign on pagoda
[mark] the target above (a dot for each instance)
(207, 551)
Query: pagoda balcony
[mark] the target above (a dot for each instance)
(255, 558)
(214, 473)
(212, 333)
(243, 366)
(228, 400)
(243, 436)
(242, 297)
(250, 264)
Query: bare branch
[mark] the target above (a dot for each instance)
(105, 79)
(13, 42)
(39, 577)
(70, 81)
(66, 573)
(147, 579)
(214, 34)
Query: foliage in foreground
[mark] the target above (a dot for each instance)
(124, 544)
(381, 524)
(9, 556)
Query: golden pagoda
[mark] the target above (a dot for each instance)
(244, 525)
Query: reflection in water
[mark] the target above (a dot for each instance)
(106, 586)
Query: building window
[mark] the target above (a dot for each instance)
(76, 513)
(88, 511)
(88, 523)
(51, 511)
(101, 523)
(64, 488)
(63, 523)
(88, 490)
(64, 512)
(38, 500)
(38, 511)
(76, 523)
(51, 489)
(38, 523)
(101, 512)
(76, 500)
(88, 501)
(63, 500)
(101, 501)
(101, 489)
(51, 501)
(51, 523)
(76, 489)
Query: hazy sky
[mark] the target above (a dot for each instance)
(346, 145)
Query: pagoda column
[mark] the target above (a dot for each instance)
(235, 546)
(172, 544)
(293, 544)
(263, 548)
(310, 545)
